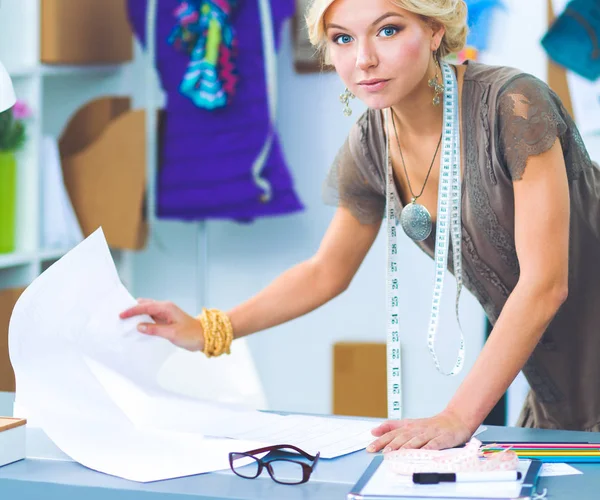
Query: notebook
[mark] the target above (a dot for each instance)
(379, 483)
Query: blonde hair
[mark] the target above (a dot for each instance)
(451, 14)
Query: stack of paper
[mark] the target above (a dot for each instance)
(381, 482)
(89, 380)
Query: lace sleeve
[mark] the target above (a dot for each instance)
(353, 180)
(530, 119)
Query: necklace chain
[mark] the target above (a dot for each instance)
(414, 197)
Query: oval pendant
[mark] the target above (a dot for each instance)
(416, 221)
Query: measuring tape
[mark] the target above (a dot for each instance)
(448, 226)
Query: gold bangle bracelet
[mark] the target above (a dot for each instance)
(218, 332)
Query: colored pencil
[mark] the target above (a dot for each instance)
(549, 452)
(547, 443)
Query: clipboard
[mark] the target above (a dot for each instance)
(378, 483)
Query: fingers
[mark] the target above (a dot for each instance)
(149, 307)
(408, 435)
(387, 426)
(382, 442)
(404, 439)
(132, 311)
(444, 440)
(436, 433)
(386, 432)
(410, 443)
(437, 443)
(164, 331)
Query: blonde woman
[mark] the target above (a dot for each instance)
(530, 205)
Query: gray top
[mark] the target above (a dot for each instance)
(507, 116)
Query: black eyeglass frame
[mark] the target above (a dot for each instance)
(307, 469)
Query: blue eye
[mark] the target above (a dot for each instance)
(342, 39)
(388, 31)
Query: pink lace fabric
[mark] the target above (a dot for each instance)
(468, 459)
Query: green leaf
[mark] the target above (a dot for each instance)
(12, 132)
(5, 122)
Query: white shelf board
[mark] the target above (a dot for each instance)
(52, 253)
(22, 71)
(70, 70)
(64, 70)
(15, 259)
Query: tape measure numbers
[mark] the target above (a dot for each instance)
(448, 227)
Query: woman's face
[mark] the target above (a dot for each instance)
(381, 52)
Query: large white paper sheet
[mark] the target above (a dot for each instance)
(66, 321)
(559, 469)
(89, 380)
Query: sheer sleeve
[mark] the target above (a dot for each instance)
(530, 119)
(355, 178)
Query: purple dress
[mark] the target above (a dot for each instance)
(206, 157)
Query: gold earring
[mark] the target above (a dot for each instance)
(345, 100)
(438, 87)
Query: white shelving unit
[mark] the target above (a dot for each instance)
(53, 93)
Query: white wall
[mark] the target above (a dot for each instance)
(294, 361)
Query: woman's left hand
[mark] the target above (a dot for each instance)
(445, 430)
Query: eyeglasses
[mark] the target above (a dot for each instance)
(281, 470)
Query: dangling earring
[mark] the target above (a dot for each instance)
(345, 100)
(438, 87)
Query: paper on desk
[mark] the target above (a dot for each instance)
(152, 408)
(385, 483)
(558, 469)
(90, 381)
(480, 429)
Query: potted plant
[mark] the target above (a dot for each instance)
(12, 139)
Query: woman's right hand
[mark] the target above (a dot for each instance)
(171, 323)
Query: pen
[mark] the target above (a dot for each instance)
(460, 477)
